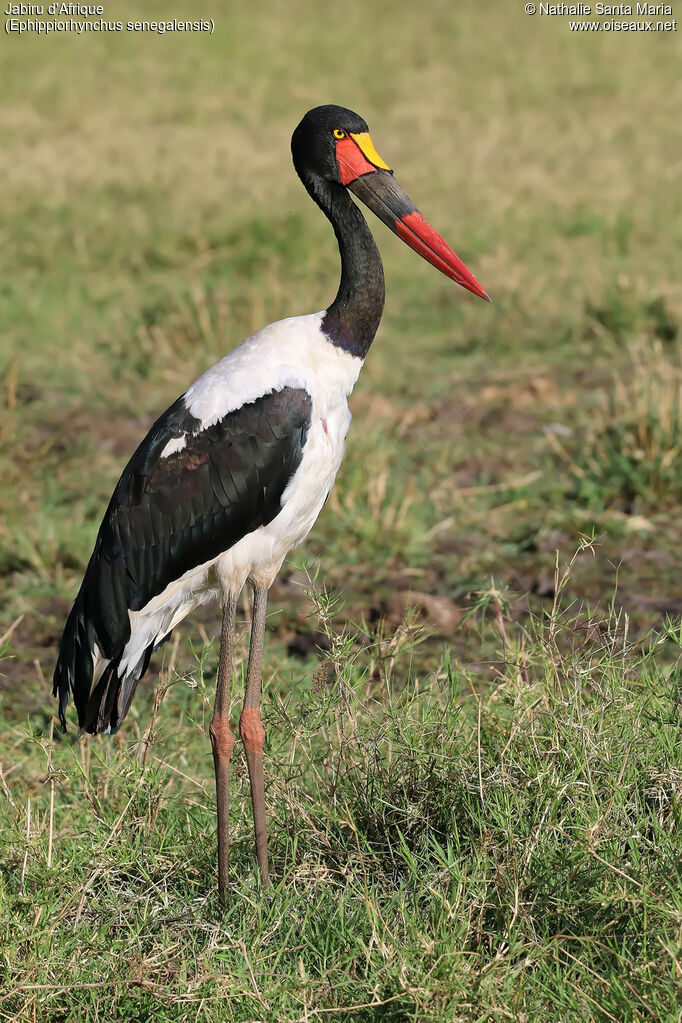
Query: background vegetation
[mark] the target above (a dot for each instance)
(472, 673)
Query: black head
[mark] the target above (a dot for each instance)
(313, 144)
(331, 147)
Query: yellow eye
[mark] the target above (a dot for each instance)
(339, 133)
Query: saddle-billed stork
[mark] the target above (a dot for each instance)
(235, 472)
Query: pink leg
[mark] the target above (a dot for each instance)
(222, 743)
(252, 731)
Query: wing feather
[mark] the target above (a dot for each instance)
(167, 516)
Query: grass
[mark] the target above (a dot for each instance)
(473, 785)
(437, 856)
(629, 459)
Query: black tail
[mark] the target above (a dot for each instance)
(102, 707)
(73, 672)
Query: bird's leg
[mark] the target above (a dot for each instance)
(222, 742)
(251, 728)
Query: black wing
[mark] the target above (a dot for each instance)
(169, 515)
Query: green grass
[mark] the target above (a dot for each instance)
(474, 762)
(629, 457)
(437, 855)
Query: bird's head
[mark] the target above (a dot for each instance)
(333, 144)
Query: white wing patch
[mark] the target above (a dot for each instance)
(99, 664)
(173, 445)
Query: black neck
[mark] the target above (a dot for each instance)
(351, 321)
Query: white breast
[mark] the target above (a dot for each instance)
(260, 554)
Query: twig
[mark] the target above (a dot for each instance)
(28, 835)
(162, 688)
(242, 945)
(6, 635)
(50, 777)
(39, 671)
(478, 748)
(6, 790)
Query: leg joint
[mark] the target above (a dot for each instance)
(251, 730)
(222, 739)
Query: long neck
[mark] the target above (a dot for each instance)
(351, 321)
